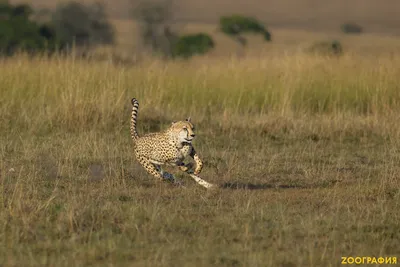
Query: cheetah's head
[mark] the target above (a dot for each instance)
(184, 130)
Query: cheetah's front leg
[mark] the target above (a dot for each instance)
(199, 162)
(188, 167)
(185, 167)
(199, 167)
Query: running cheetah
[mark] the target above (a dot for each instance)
(169, 147)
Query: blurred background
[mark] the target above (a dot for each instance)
(375, 15)
(128, 29)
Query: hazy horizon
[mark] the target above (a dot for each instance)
(373, 15)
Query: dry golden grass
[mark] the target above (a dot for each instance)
(304, 148)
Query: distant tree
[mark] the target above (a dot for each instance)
(351, 28)
(22, 10)
(155, 26)
(192, 44)
(83, 25)
(42, 15)
(18, 32)
(8, 11)
(236, 26)
(159, 34)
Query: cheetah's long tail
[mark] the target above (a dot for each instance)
(135, 109)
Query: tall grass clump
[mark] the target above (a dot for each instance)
(44, 92)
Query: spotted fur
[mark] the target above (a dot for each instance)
(170, 147)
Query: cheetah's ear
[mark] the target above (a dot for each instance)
(172, 123)
(188, 119)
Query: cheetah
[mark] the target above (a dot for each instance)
(170, 147)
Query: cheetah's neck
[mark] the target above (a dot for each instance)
(174, 141)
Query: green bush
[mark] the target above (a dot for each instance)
(351, 28)
(18, 32)
(83, 25)
(159, 34)
(192, 44)
(236, 25)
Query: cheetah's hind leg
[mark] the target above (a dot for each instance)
(155, 170)
(187, 168)
(166, 175)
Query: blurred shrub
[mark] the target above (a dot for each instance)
(156, 32)
(192, 44)
(333, 48)
(236, 25)
(42, 15)
(18, 32)
(83, 25)
(351, 28)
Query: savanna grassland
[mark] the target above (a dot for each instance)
(305, 150)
